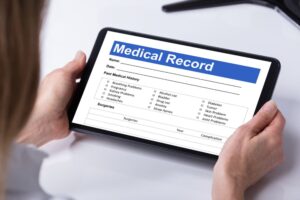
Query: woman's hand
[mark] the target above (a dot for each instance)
(251, 152)
(49, 120)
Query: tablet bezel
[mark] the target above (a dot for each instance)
(265, 95)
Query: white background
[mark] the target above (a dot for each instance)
(108, 168)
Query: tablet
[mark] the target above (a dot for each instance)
(170, 93)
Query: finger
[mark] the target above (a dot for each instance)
(272, 134)
(75, 67)
(264, 117)
(276, 126)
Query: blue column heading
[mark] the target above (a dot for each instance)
(184, 61)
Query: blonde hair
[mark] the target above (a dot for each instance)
(20, 22)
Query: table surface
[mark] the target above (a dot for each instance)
(108, 168)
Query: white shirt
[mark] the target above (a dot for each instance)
(23, 174)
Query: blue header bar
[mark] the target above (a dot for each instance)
(184, 61)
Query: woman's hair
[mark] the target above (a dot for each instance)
(20, 22)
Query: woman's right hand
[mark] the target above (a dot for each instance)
(251, 152)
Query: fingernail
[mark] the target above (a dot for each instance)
(78, 55)
(271, 107)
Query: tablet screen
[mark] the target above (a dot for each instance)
(170, 93)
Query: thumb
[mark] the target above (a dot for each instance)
(75, 67)
(264, 117)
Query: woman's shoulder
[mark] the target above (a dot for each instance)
(23, 173)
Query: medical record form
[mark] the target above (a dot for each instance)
(170, 93)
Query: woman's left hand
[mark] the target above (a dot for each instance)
(49, 120)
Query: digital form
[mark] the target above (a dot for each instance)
(170, 93)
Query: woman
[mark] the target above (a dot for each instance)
(35, 116)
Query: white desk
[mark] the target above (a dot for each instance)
(96, 168)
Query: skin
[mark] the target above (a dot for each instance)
(250, 153)
(49, 120)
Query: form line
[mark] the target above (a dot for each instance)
(179, 82)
